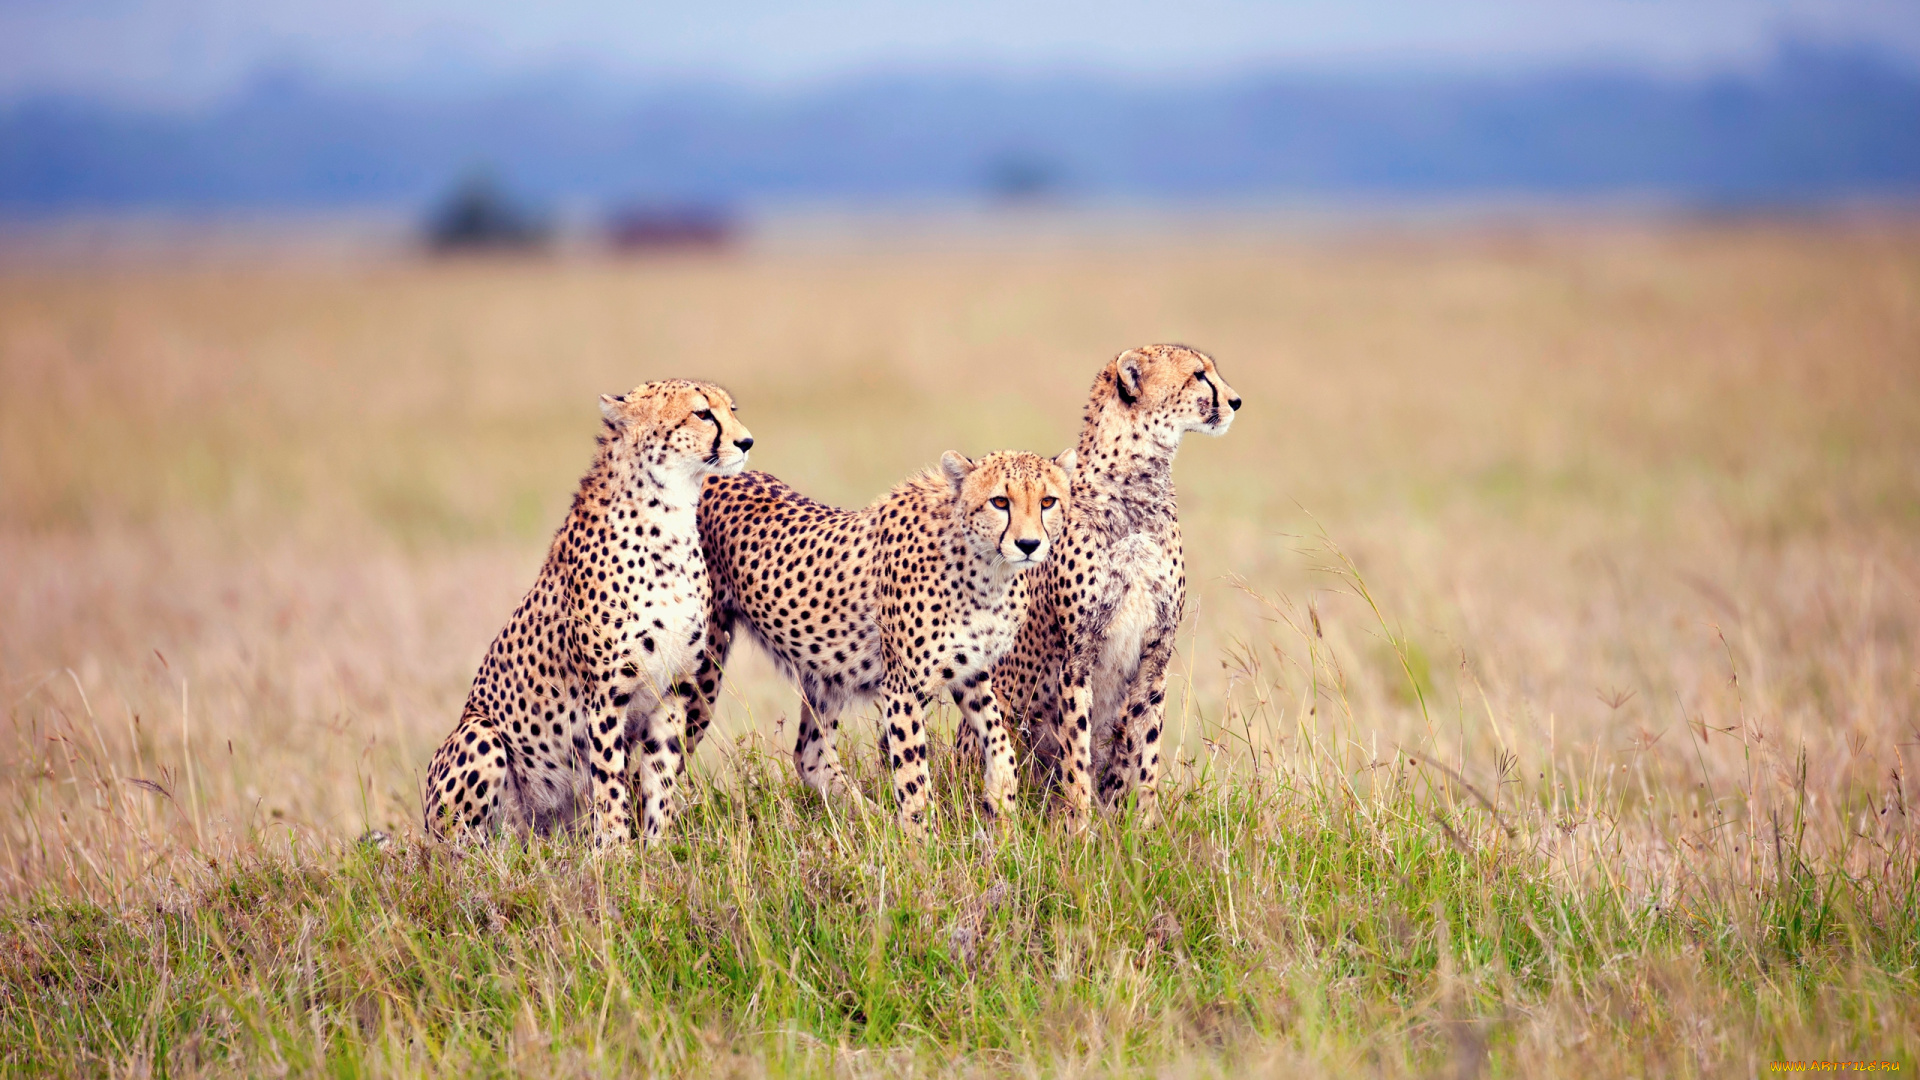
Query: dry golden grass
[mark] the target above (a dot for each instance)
(1639, 509)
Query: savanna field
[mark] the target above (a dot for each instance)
(1547, 705)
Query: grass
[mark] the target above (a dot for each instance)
(1544, 706)
(1280, 918)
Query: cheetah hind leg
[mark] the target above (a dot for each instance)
(465, 782)
(1075, 735)
(966, 758)
(818, 759)
(903, 746)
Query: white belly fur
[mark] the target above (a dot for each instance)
(672, 657)
(1141, 563)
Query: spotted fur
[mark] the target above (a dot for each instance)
(1086, 681)
(920, 592)
(590, 667)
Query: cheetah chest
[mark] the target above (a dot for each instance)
(659, 621)
(1145, 571)
(668, 630)
(983, 637)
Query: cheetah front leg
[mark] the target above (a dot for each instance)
(658, 765)
(904, 741)
(1010, 702)
(1075, 736)
(1133, 761)
(607, 765)
(980, 718)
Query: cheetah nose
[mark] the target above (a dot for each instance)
(746, 444)
(1234, 404)
(1028, 546)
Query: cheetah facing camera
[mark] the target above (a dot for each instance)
(1087, 679)
(589, 666)
(919, 592)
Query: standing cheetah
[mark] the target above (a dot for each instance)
(919, 592)
(581, 674)
(1088, 676)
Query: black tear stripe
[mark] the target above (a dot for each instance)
(1215, 387)
(713, 455)
(999, 545)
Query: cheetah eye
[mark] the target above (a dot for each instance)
(999, 502)
(1200, 376)
(1047, 503)
(705, 414)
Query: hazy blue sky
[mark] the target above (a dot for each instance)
(183, 50)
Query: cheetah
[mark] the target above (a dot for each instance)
(592, 664)
(1087, 678)
(921, 591)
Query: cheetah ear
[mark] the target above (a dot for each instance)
(610, 407)
(1068, 460)
(1129, 371)
(957, 468)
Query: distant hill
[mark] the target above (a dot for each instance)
(1812, 125)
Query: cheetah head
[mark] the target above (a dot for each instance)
(681, 431)
(1169, 390)
(1012, 504)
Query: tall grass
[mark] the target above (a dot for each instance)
(1301, 904)
(1567, 733)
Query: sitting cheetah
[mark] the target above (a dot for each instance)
(580, 675)
(921, 591)
(1092, 657)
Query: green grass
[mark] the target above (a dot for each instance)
(1635, 507)
(1386, 920)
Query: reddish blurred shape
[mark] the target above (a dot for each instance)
(671, 228)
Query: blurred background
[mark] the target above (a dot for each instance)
(635, 126)
(1588, 332)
